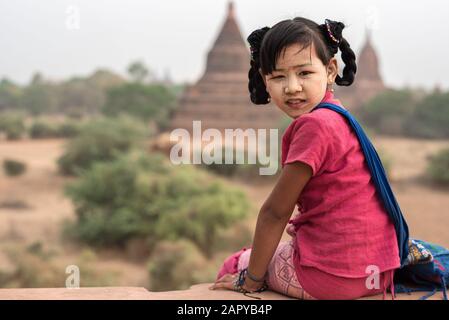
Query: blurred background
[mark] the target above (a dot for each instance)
(90, 91)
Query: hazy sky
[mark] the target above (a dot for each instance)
(62, 38)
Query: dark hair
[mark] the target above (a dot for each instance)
(267, 44)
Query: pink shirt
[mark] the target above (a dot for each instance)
(342, 227)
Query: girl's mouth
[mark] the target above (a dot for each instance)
(296, 103)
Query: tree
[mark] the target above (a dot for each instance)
(9, 95)
(388, 112)
(81, 96)
(145, 102)
(430, 118)
(39, 97)
(138, 71)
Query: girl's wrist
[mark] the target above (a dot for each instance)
(252, 285)
(254, 278)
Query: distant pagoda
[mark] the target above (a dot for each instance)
(220, 98)
(368, 82)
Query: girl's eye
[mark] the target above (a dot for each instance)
(277, 77)
(304, 73)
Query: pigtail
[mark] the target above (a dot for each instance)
(256, 86)
(332, 32)
(350, 69)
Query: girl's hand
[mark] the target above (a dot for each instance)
(227, 282)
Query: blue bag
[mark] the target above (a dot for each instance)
(428, 269)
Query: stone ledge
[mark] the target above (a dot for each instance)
(196, 292)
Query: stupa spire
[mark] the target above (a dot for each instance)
(231, 13)
(229, 52)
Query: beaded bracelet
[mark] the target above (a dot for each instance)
(240, 281)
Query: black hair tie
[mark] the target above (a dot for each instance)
(332, 31)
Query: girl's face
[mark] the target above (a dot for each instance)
(300, 80)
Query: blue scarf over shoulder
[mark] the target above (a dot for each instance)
(380, 180)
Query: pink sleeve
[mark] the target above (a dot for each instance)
(309, 144)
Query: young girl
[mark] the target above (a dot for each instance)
(344, 244)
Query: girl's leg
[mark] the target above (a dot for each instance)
(281, 275)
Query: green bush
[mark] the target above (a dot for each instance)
(141, 196)
(109, 203)
(223, 169)
(228, 240)
(246, 171)
(42, 130)
(68, 129)
(175, 266)
(12, 125)
(101, 140)
(35, 266)
(13, 167)
(32, 270)
(438, 167)
(196, 207)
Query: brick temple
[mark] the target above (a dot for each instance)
(220, 98)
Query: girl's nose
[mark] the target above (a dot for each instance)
(293, 85)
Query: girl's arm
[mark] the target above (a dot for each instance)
(274, 216)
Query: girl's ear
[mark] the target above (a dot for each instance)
(332, 70)
(263, 77)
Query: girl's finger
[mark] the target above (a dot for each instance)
(226, 278)
(223, 285)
